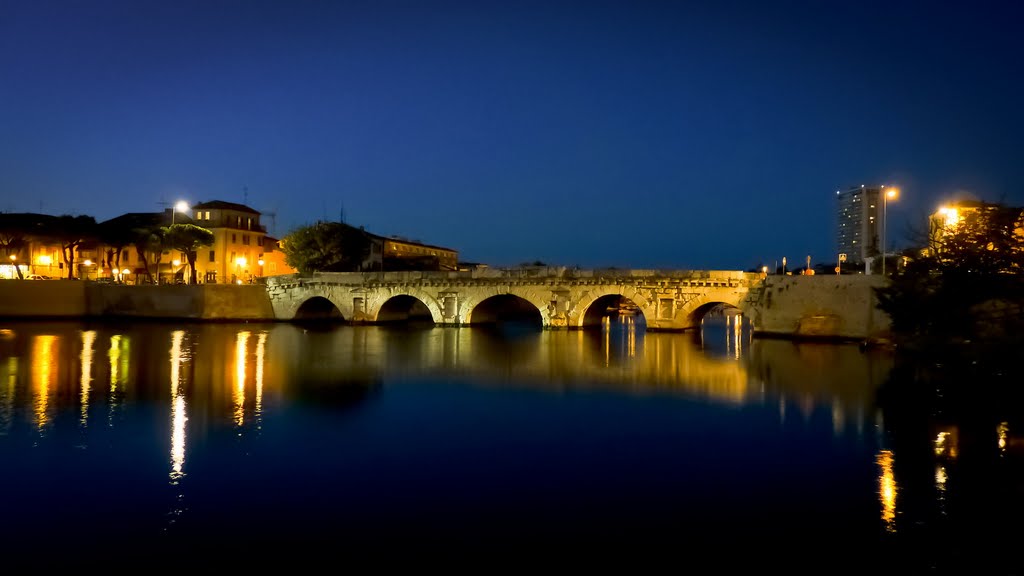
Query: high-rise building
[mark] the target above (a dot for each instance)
(859, 222)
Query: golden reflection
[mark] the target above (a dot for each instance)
(118, 354)
(178, 416)
(946, 443)
(44, 372)
(887, 489)
(940, 487)
(737, 335)
(1001, 432)
(261, 348)
(11, 373)
(88, 340)
(241, 351)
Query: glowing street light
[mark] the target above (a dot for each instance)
(181, 206)
(890, 193)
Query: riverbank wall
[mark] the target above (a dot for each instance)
(819, 307)
(83, 299)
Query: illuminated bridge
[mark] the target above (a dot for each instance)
(553, 297)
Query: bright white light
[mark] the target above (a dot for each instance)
(181, 206)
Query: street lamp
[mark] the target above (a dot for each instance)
(181, 206)
(889, 193)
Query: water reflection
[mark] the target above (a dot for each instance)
(238, 392)
(44, 375)
(805, 378)
(85, 382)
(208, 382)
(887, 488)
(178, 408)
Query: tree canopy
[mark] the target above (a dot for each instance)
(72, 232)
(188, 238)
(967, 286)
(326, 247)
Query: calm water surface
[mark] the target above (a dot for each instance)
(248, 443)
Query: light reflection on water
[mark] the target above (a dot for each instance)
(272, 385)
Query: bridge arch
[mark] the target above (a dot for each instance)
(611, 305)
(503, 308)
(318, 308)
(397, 304)
(404, 308)
(590, 309)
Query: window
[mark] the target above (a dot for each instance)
(245, 239)
(212, 256)
(238, 221)
(259, 240)
(248, 223)
(232, 237)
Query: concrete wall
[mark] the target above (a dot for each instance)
(823, 306)
(68, 298)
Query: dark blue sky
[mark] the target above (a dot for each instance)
(644, 134)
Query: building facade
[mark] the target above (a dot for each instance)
(237, 250)
(859, 217)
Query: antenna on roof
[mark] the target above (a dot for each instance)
(273, 221)
(341, 214)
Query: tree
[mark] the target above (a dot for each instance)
(966, 287)
(116, 234)
(72, 232)
(326, 247)
(148, 240)
(188, 238)
(15, 231)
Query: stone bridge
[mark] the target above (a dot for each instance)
(557, 297)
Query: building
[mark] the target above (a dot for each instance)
(237, 249)
(32, 243)
(393, 253)
(401, 254)
(274, 263)
(859, 215)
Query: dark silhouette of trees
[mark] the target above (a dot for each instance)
(72, 232)
(15, 231)
(326, 247)
(148, 240)
(188, 238)
(966, 287)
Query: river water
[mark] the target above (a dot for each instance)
(253, 443)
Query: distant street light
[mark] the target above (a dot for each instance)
(889, 193)
(181, 206)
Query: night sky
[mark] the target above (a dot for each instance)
(631, 134)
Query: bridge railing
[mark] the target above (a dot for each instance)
(533, 272)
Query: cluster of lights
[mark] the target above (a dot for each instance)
(951, 216)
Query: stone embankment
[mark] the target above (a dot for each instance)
(84, 299)
(825, 307)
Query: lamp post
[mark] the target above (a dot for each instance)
(889, 193)
(181, 206)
